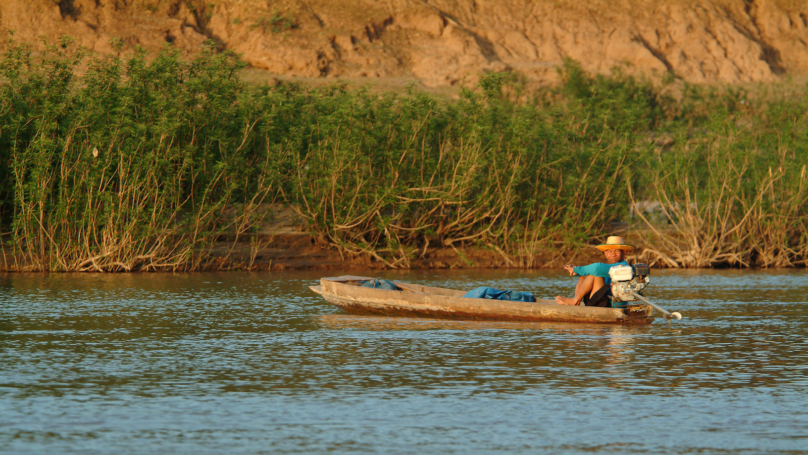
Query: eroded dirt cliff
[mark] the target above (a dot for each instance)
(441, 42)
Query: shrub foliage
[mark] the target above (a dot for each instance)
(146, 162)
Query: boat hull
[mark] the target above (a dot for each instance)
(424, 301)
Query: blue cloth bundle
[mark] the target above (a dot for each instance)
(380, 283)
(495, 294)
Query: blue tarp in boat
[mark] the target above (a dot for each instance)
(495, 294)
(379, 283)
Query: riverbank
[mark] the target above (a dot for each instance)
(285, 244)
(285, 252)
(154, 163)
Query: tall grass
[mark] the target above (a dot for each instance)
(391, 176)
(146, 162)
(733, 188)
(131, 166)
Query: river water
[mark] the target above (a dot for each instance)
(240, 363)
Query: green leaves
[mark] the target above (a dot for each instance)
(145, 162)
(132, 165)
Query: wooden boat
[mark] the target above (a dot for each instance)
(347, 293)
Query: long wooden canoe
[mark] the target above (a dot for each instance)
(347, 293)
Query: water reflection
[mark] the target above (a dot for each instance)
(365, 322)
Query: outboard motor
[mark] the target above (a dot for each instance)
(627, 284)
(627, 280)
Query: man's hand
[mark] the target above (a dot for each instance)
(569, 268)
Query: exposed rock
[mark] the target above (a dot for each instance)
(442, 42)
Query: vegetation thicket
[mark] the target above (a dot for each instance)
(145, 163)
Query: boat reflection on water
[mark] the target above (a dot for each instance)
(365, 322)
(551, 349)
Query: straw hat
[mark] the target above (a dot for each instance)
(615, 242)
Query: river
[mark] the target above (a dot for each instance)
(252, 363)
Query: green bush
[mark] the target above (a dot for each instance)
(145, 163)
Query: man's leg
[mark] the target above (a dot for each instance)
(586, 286)
(583, 287)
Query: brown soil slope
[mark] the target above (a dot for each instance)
(440, 42)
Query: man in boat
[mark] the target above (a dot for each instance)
(594, 284)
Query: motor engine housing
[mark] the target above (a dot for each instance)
(627, 279)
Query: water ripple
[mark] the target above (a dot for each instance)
(256, 363)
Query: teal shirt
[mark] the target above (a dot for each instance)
(597, 269)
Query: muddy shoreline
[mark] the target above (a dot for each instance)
(283, 243)
(303, 252)
(294, 249)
